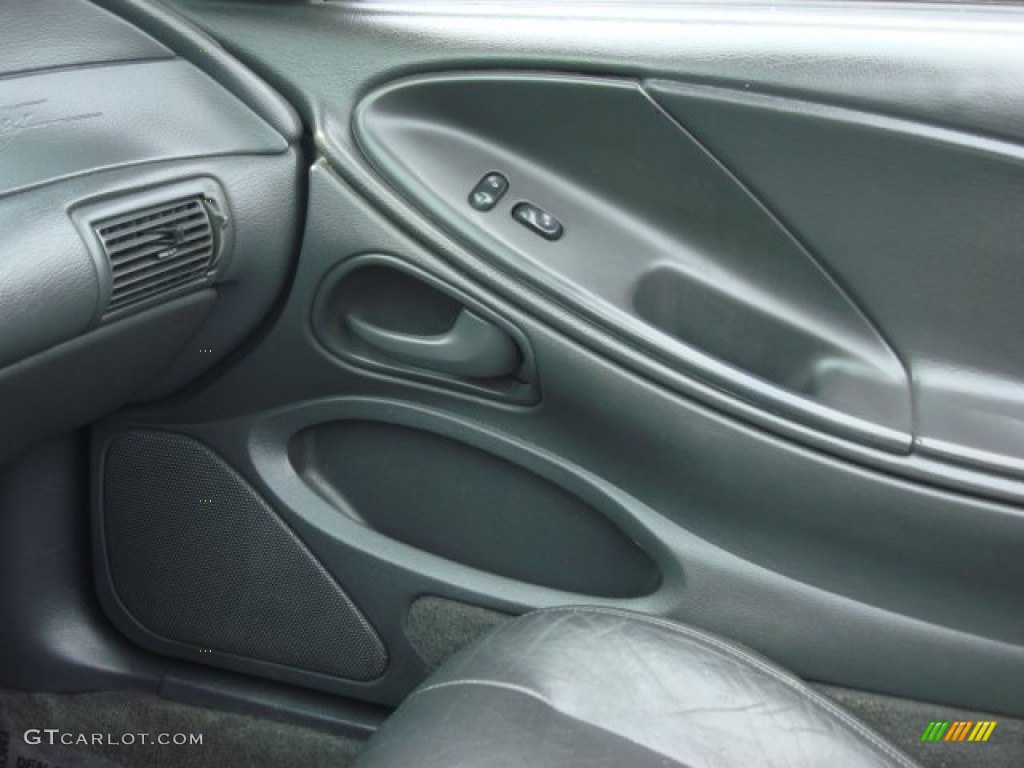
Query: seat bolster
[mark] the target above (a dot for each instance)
(583, 685)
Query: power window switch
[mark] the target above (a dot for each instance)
(488, 191)
(538, 220)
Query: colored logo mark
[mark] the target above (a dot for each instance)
(958, 730)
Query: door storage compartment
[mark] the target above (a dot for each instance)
(766, 341)
(457, 501)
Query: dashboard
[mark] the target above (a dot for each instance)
(150, 212)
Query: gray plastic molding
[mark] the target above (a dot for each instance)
(841, 571)
(121, 115)
(50, 34)
(662, 246)
(206, 53)
(922, 222)
(789, 50)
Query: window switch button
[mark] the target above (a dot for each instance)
(537, 219)
(488, 191)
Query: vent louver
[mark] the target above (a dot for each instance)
(158, 249)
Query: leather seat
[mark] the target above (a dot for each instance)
(600, 687)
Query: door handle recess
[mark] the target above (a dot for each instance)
(472, 347)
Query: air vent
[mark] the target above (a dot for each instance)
(158, 249)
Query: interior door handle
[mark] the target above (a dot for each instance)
(472, 347)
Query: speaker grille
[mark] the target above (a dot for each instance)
(197, 557)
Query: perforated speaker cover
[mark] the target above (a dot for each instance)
(196, 556)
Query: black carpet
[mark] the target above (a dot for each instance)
(241, 741)
(903, 722)
(437, 627)
(228, 739)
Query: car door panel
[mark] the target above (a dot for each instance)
(820, 579)
(764, 382)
